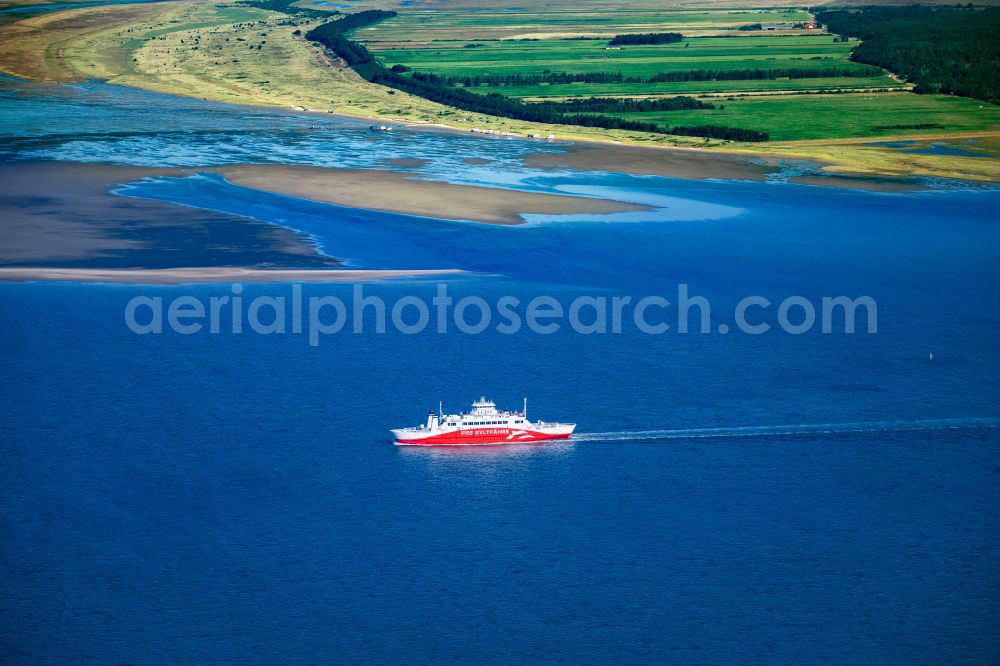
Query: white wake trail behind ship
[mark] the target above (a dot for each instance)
(788, 430)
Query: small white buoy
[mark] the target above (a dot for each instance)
(930, 357)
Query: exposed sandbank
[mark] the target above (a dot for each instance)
(60, 222)
(396, 193)
(206, 275)
(867, 183)
(64, 214)
(892, 175)
(669, 162)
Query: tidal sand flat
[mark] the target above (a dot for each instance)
(830, 171)
(57, 214)
(668, 162)
(396, 193)
(206, 275)
(867, 183)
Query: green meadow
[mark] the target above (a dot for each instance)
(416, 25)
(796, 117)
(464, 43)
(762, 51)
(559, 91)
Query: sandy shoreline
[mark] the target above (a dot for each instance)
(395, 192)
(207, 275)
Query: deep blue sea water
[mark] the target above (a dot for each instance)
(234, 498)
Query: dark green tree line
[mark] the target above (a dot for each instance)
(647, 38)
(952, 50)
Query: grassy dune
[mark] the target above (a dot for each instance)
(218, 52)
(47, 47)
(208, 50)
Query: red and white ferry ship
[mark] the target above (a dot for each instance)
(483, 425)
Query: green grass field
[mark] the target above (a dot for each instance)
(544, 91)
(585, 56)
(538, 42)
(795, 117)
(416, 25)
(573, 55)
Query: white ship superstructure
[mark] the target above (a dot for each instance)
(483, 425)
